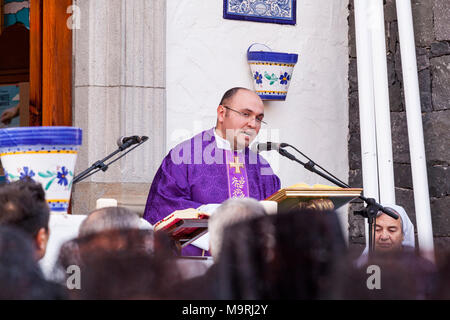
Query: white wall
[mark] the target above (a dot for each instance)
(206, 55)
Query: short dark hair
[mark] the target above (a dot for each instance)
(305, 244)
(20, 274)
(23, 205)
(139, 264)
(231, 93)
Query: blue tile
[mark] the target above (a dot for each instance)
(270, 11)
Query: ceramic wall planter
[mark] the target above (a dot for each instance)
(46, 155)
(271, 73)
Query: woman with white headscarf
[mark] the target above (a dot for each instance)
(407, 232)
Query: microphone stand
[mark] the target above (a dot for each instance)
(370, 211)
(101, 165)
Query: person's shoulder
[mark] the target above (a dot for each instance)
(413, 258)
(263, 160)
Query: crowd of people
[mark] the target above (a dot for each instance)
(298, 254)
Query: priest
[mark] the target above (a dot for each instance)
(216, 164)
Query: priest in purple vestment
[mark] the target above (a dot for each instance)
(216, 164)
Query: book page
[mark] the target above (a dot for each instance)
(203, 241)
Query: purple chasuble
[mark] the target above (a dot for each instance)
(197, 172)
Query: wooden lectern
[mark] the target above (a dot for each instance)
(184, 226)
(288, 198)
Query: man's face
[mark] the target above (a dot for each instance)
(388, 234)
(240, 125)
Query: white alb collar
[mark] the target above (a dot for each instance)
(223, 143)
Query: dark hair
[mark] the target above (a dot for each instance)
(284, 256)
(20, 274)
(400, 275)
(230, 94)
(120, 264)
(442, 290)
(23, 205)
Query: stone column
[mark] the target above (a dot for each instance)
(119, 82)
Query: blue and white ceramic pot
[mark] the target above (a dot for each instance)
(271, 72)
(46, 155)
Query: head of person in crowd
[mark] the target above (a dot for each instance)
(20, 275)
(23, 205)
(240, 116)
(320, 204)
(71, 252)
(393, 234)
(121, 264)
(442, 290)
(109, 218)
(228, 213)
(392, 275)
(290, 255)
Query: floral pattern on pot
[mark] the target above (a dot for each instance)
(26, 173)
(61, 175)
(258, 77)
(277, 68)
(284, 78)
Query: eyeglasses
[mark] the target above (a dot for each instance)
(247, 116)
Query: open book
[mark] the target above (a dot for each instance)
(184, 226)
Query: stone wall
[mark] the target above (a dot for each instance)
(432, 36)
(119, 90)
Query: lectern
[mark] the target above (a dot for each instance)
(186, 226)
(288, 198)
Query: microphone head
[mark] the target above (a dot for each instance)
(124, 139)
(268, 146)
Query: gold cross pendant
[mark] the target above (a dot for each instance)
(236, 165)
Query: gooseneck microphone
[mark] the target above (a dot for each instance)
(370, 211)
(125, 142)
(123, 139)
(268, 146)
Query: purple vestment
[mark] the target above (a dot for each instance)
(195, 173)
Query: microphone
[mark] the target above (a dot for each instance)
(390, 212)
(129, 141)
(268, 146)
